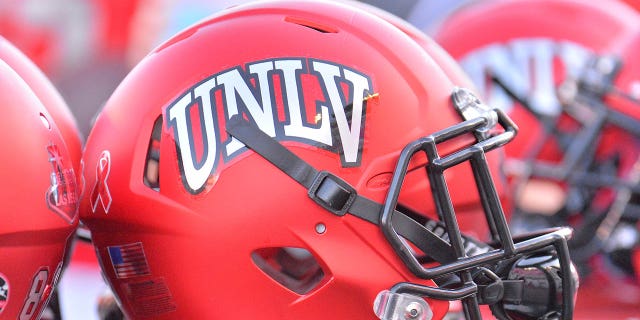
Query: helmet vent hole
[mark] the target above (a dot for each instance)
(311, 24)
(151, 176)
(45, 121)
(294, 268)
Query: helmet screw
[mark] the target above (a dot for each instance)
(321, 228)
(413, 310)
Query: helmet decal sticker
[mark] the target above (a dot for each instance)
(100, 192)
(315, 102)
(62, 196)
(536, 77)
(40, 290)
(149, 297)
(4, 292)
(128, 260)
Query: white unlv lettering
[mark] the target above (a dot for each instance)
(526, 66)
(240, 97)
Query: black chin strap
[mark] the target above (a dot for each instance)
(336, 195)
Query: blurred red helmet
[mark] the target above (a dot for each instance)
(633, 3)
(552, 57)
(40, 204)
(608, 92)
(48, 96)
(288, 165)
(531, 46)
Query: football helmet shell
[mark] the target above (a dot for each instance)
(633, 3)
(190, 211)
(49, 97)
(451, 68)
(40, 200)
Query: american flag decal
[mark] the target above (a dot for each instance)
(129, 260)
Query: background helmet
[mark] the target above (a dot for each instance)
(40, 201)
(261, 152)
(520, 69)
(533, 55)
(48, 96)
(608, 89)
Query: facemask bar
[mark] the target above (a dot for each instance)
(436, 166)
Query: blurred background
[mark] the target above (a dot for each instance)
(86, 47)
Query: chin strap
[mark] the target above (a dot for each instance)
(340, 198)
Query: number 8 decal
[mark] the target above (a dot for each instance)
(38, 286)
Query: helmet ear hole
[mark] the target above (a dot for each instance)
(151, 175)
(294, 268)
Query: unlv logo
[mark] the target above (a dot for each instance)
(532, 68)
(296, 99)
(62, 195)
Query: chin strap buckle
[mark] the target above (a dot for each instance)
(332, 193)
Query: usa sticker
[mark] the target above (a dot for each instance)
(62, 196)
(314, 102)
(4, 292)
(100, 193)
(129, 260)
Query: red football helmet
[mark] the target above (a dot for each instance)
(531, 58)
(48, 96)
(40, 201)
(301, 153)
